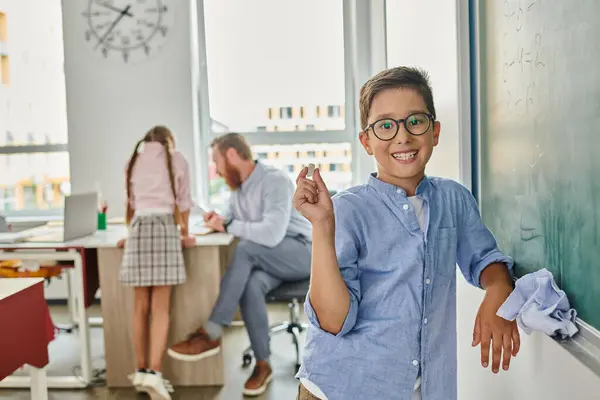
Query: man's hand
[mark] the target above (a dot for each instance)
(209, 215)
(503, 334)
(121, 243)
(216, 223)
(312, 199)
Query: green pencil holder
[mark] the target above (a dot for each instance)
(101, 221)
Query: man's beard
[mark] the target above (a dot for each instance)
(232, 176)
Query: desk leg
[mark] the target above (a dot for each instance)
(39, 387)
(71, 300)
(82, 319)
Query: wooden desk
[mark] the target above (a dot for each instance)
(26, 331)
(191, 306)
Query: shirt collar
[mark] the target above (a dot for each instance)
(255, 176)
(389, 189)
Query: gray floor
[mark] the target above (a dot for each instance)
(64, 357)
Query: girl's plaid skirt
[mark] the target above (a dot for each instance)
(153, 254)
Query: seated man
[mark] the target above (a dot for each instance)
(274, 247)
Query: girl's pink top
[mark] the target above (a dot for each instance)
(150, 182)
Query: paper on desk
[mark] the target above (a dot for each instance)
(198, 228)
(15, 237)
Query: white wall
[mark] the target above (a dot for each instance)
(111, 105)
(543, 369)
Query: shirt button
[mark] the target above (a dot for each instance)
(398, 191)
(428, 281)
(415, 363)
(405, 206)
(425, 320)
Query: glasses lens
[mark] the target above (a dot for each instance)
(417, 124)
(385, 129)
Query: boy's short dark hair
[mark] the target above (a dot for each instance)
(395, 78)
(233, 141)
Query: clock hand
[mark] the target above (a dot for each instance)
(113, 8)
(121, 15)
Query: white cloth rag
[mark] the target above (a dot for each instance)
(539, 305)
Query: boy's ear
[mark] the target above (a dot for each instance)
(364, 140)
(436, 132)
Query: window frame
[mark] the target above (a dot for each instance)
(206, 135)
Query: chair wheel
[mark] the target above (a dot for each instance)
(246, 360)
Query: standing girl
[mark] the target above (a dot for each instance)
(158, 202)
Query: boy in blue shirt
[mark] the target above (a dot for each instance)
(382, 299)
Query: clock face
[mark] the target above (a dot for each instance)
(128, 30)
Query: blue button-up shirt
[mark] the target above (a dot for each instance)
(402, 285)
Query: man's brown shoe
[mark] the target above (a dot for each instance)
(196, 347)
(259, 380)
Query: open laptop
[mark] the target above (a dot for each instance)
(80, 219)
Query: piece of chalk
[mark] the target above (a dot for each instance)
(311, 169)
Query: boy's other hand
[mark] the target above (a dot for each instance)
(121, 243)
(503, 334)
(312, 199)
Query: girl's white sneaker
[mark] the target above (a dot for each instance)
(157, 387)
(137, 380)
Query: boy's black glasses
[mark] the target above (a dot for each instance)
(387, 128)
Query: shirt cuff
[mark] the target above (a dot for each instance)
(348, 322)
(236, 228)
(495, 257)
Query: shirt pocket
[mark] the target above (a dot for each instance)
(445, 251)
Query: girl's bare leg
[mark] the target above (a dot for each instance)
(140, 325)
(159, 326)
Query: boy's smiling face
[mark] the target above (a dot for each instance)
(402, 160)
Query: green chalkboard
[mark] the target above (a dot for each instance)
(539, 139)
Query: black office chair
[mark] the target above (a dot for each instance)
(293, 293)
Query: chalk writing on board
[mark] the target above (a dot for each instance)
(538, 46)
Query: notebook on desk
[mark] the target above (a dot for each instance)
(80, 219)
(197, 227)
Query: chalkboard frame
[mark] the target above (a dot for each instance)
(585, 345)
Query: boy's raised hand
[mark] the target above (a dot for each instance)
(312, 199)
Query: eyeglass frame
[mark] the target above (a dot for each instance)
(402, 121)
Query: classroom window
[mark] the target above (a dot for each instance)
(25, 180)
(280, 73)
(33, 115)
(292, 158)
(288, 92)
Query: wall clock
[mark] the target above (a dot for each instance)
(128, 30)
